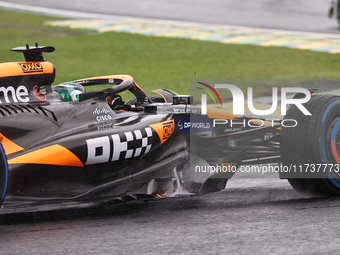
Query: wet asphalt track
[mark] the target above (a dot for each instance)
(252, 216)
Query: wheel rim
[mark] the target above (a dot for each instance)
(334, 150)
(335, 142)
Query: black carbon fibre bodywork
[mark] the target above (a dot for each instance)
(62, 154)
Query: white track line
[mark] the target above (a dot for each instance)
(86, 15)
(58, 12)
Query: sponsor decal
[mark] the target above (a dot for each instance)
(187, 110)
(230, 130)
(83, 82)
(125, 146)
(164, 129)
(205, 125)
(180, 124)
(104, 117)
(195, 125)
(105, 126)
(268, 136)
(168, 129)
(100, 111)
(102, 114)
(31, 67)
(10, 94)
(37, 94)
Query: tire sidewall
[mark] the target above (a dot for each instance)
(3, 174)
(328, 123)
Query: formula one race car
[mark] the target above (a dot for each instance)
(63, 147)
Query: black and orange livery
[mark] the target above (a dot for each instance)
(63, 148)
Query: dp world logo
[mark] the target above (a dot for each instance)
(193, 124)
(180, 124)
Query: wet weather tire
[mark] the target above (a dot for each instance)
(311, 150)
(3, 174)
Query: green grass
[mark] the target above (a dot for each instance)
(156, 62)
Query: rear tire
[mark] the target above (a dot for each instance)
(3, 174)
(314, 141)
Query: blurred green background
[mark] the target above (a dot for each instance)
(156, 62)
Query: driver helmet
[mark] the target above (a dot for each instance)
(69, 91)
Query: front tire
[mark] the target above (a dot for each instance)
(313, 147)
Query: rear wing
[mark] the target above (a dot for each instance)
(33, 53)
(21, 82)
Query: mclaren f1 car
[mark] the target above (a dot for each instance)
(62, 146)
